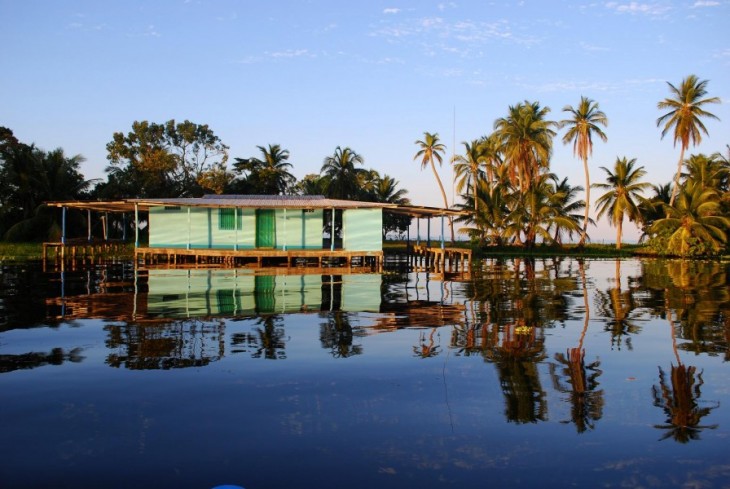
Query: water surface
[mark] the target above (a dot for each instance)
(524, 373)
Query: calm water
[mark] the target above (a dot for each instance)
(548, 373)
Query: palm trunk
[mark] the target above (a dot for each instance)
(619, 228)
(588, 204)
(586, 319)
(443, 194)
(676, 177)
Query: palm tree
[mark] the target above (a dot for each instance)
(342, 174)
(623, 190)
(566, 207)
(526, 139)
(695, 222)
(533, 213)
(582, 126)
(268, 175)
(431, 149)
(652, 209)
(708, 171)
(468, 171)
(685, 112)
(489, 221)
(386, 190)
(491, 156)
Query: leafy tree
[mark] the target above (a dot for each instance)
(311, 184)
(341, 173)
(387, 191)
(162, 160)
(623, 194)
(431, 149)
(268, 175)
(582, 126)
(685, 115)
(29, 177)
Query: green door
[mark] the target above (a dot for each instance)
(265, 228)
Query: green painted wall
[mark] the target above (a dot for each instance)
(298, 230)
(363, 229)
(175, 228)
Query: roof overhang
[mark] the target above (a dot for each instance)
(425, 212)
(129, 205)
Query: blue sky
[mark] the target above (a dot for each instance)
(371, 75)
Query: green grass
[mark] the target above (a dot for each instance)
(590, 250)
(19, 252)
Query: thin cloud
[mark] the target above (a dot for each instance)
(636, 8)
(705, 3)
(150, 31)
(473, 34)
(290, 53)
(391, 10)
(593, 48)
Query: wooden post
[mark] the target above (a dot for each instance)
(332, 231)
(63, 226)
(136, 227)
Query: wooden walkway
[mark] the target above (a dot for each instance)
(81, 248)
(439, 259)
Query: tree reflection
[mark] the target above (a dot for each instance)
(679, 398)
(177, 344)
(586, 402)
(617, 307)
(271, 338)
(337, 335)
(427, 348)
(31, 360)
(516, 355)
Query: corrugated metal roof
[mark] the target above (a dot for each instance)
(262, 202)
(258, 202)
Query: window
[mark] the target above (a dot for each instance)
(227, 219)
(172, 207)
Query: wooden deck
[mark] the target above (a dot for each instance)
(259, 258)
(419, 257)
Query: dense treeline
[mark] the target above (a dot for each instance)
(507, 190)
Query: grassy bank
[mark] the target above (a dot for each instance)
(590, 250)
(18, 252)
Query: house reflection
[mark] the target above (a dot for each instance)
(205, 293)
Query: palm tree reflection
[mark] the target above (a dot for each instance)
(586, 402)
(516, 356)
(337, 335)
(617, 307)
(427, 349)
(680, 400)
